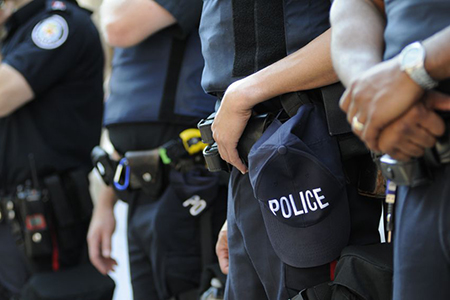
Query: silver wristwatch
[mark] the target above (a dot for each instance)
(412, 59)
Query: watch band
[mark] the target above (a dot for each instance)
(416, 69)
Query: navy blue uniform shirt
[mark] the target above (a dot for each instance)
(147, 85)
(56, 47)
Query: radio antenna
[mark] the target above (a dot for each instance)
(34, 176)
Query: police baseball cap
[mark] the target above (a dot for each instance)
(296, 173)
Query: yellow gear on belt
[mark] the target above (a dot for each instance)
(192, 140)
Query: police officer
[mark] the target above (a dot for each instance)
(155, 94)
(398, 92)
(245, 45)
(51, 99)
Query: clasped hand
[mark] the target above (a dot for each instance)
(229, 124)
(394, 115)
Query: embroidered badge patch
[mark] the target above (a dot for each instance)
(50, 33)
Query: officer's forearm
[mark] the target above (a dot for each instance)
(308, 68)
(357, 37)
(126, 23)
(106, 198)
(437, 61)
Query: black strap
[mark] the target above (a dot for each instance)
(206, 238)
(3, 146)
(258, 40)
(270, 32)
(167, 109)
(336, 118)
(244, 37)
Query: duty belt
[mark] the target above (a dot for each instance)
(6, 209)
(140, 169)
(417, 171)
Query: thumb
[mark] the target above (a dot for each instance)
(437, 101)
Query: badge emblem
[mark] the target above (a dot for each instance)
(50, 33)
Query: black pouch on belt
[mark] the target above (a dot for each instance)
(146, 168)
(72, 208)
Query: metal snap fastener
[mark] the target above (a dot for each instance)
(282, 150)
(147, 177)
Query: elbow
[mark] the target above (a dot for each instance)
(118, 35)
(5, 110)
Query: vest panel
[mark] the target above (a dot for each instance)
(139, 77)
(220, 26)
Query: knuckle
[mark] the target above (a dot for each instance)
(215, 135)
(417, 113)
(403, 128)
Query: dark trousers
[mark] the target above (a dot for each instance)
(422, 240)
(163, 237)
(164, 242)
(255, 270)
(13, 270)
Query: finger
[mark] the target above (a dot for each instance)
(351, 111)
(422, 138)
(433, 123)
(358, 124)
(371, 134)
(223, 152)
(222, 251)
(412, 150)
(93, 246)
(94, 254)
(438, 101)
(221, 146)
(224, 264)
(399, 155)
(236, 161)
(345, 100)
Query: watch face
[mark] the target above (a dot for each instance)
(412, 57)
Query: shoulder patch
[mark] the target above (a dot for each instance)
(50, 33)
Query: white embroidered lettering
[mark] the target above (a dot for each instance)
(302, 197)
(320, 198)
(294, 207)
(308, 196)
(286, 204)
(274, 206)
